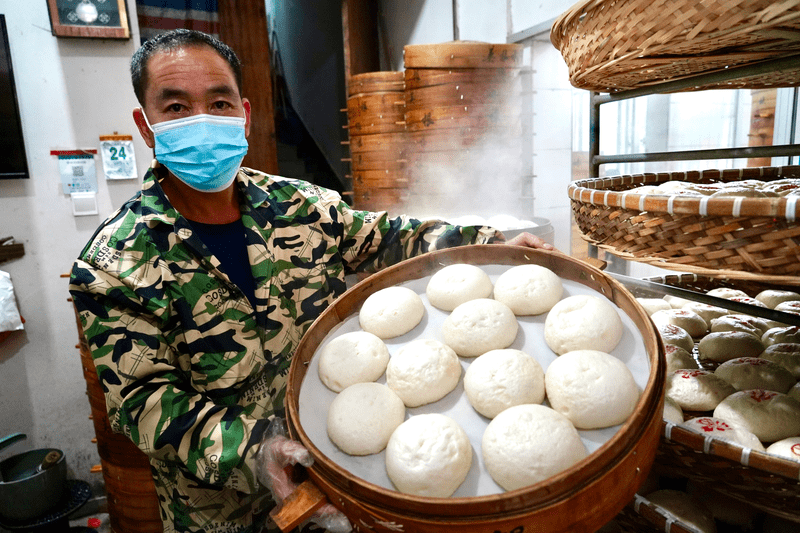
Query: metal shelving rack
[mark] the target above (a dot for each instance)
(734, 73)
(616, 264)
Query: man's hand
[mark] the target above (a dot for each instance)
(529, 240)
(276, 455)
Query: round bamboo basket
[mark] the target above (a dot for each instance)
(737, 238)
(582, 498)
(613, 45)
(130, 491)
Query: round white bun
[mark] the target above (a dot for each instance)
(746, 373)
(479, 326)
(423, 371)
(583, 322)
(672, 411)
(428, 455)
(706, 312)
(391, 312)
(355, 357)
(678, 358)
(781, 335)
(528, 289)
(685, 508)
(363, 416)
(792, 306)
(500, 379)
(785, 354)
(772, 297)
(529, 443)
(651, 305)
(794, 392)
(697, 390)
(786, 448)
(769, 415)
(727, 293)
(592, 389)
(736, 323)
(676, 302)
(455, 284)
(676, 336)
(720, 429)
(722, 346)
(687, 320)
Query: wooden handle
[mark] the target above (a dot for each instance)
(299, 506)
(49, 460)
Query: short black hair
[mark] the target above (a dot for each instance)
(173, 40)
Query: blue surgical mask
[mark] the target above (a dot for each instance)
(203, 151)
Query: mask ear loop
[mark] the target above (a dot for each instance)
(146, 121)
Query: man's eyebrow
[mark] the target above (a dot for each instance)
(168, 93)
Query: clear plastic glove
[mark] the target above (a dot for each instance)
(275, 459)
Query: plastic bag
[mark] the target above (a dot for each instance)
(276, 455)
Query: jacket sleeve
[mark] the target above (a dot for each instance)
(148, 389)
(374, 240)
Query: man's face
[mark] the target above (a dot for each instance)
(190, 81)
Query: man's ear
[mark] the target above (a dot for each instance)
(246, 106)
(144, 129)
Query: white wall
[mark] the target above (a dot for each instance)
(70, 92)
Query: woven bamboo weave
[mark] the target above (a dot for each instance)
(765, 481)
(613, 45)
(713, 236)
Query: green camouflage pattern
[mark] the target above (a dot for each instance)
(190, 370)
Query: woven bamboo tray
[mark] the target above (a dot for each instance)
(613, 45)
(768, 482)
(737, 238)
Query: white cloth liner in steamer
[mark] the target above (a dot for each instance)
(314, 397)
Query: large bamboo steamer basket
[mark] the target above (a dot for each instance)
(374, 82)
(390, 143)
(130, 491)
(374, 199)
(376, 129)
(464, 94)
(459, 139)
(479, 116)
(421, 78)
(382, 161)
(379, 179)
(582, 498)
(462, 54)
(378, 112)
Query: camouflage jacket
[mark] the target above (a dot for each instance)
(190, 370)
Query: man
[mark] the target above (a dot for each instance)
(195, 293)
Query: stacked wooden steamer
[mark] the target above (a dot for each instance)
(377, 137)
(734, 242)
(130, 492)
(463, 120)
